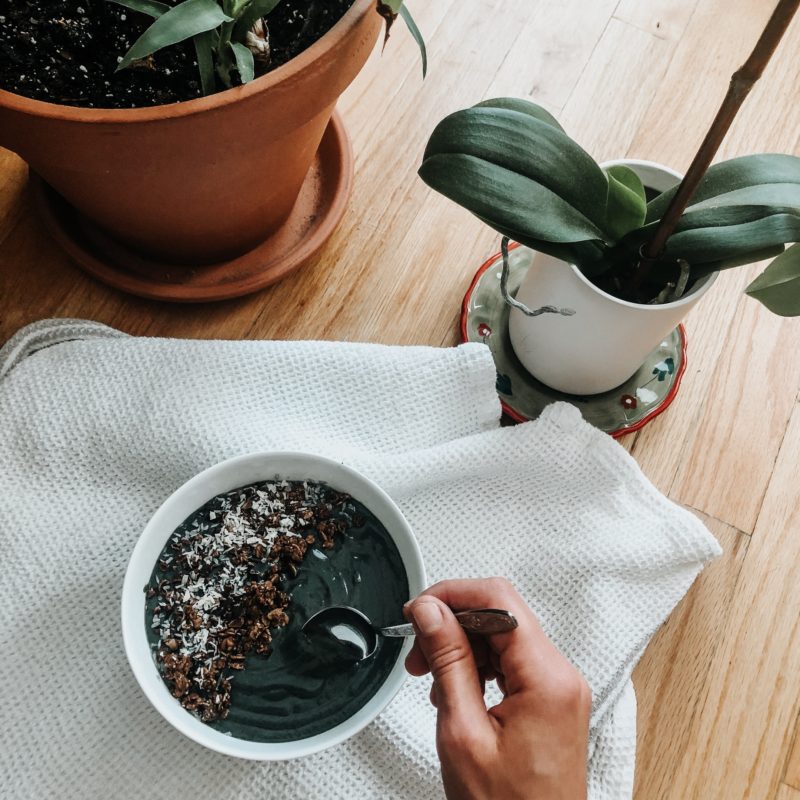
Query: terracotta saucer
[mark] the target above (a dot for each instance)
(319, 209)
(484, 318)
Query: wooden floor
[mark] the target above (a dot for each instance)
(719, 688)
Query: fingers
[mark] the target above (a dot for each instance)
(442, 642)
(524, 657)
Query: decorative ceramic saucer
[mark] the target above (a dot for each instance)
(319, 208)
(484, 318)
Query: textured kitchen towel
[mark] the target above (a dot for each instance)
(97, 428)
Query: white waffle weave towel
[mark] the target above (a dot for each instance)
(97, 428)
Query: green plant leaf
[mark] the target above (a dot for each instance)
(583, 253)
(511, 203)
(626, 205)
(705, 244)
(720, 218)
(703, 269)
(178, 24)
(523, 107)
(149, 7)
(252, 12)
(785, 195)
(417, 36)
(517, 142)
(778, 286)
(244, 62)
(712, 239)
(729, 176)
(204, 49)
(726, 216)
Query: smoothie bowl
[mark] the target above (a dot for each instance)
(224, 576)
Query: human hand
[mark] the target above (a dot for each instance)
(533, 744)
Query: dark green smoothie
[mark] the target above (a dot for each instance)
(297, 690)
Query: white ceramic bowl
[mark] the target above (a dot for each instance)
(192, 495)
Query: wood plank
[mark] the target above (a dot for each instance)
(742, 432)
(666, 19)
(742, 733)
(791, 775)
(687, 100)
(398, 216)
(548, 58)
(610, 100)
(392, 71)
(665, 445)
(672, 675)
(787, 793)
(661, 447)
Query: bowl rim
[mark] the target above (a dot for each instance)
(289, 465)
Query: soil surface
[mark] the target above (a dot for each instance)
(66, 51)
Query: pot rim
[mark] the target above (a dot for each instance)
(334, 37)
(697, 291)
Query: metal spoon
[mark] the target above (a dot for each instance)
(357, 637)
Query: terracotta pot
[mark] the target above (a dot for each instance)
(204, 180)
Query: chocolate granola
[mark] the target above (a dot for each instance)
(218, 591)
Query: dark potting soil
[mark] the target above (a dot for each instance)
(66, 51)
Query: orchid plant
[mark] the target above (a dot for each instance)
(511, 164)
(230, 37)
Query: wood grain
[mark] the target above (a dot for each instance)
(791, 775)
(743, 731)
(666, 19)
(609, 101)
(549, 56)
(742, 432)
(671, 678)
(718, 687)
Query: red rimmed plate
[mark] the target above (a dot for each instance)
(484, 318)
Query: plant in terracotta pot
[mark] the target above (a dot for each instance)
(619, 252)
(153, 186)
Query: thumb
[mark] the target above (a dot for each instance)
(449, 655)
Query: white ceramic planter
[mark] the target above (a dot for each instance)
(607, 339)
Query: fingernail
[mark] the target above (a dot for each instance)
(427, 617)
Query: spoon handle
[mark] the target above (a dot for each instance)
(482, 621)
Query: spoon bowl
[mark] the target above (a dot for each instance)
(353, 636)
(344, 628)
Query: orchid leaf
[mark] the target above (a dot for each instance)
(507, 200)
(587, 253)
(751, 257)
(523, 107)
(732, 175)
(244, 62)
(778, 286)
(511, 141)
(766, 194)
(181, 22)
(704, 244)
(626, 205)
